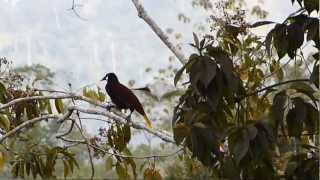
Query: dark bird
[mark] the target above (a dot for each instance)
(123, 97)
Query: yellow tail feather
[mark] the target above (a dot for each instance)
(149, 125)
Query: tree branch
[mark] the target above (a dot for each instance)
(164, 136)
(25, 124)
(156, 29)
(113, 114)
(274, 85)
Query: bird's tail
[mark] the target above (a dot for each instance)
(148, 121)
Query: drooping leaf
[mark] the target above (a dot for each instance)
(229, 168)
(239, 144)
(268, 42)
(311, 5)
(151, 174)
(65, 168)
(280, 40)
(305, 89)
(312, 120)
(4, 122)
(59, 105)
(192, 59)
(3, 93)
(196, 40)
(127, 133)
(101, 94)
(121, 171)
(295, 38)
(180, 131)
(295, 118)
(109, 163)
(260, 23)
(314, 77)
(2, 160)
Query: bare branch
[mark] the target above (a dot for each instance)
(113, 114)
(156, 29)
(15, 101)
(25, 124)
(138, 157)
(74, 10)
(122, 155)
(164, 136)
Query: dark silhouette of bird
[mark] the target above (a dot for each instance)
(123, 97)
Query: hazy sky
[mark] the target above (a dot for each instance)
(112, 37)
(44, 31)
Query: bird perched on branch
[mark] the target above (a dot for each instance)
(123, 97)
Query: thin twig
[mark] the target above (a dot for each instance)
(73, 9)
(274, 85)
(122, 120)
(25, 124)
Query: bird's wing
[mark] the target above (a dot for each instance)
(129, 98)
(131, 101)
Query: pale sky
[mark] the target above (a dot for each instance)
(112, 37)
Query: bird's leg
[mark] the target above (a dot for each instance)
(110, 106)
(128, 118)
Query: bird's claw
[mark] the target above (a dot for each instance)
(128, 118)
(109, 107)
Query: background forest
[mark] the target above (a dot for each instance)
(241, 102)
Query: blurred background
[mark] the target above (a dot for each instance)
(46, 37)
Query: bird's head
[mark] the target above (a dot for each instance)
(110, 77)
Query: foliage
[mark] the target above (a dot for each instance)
(236, 129)
(243, 113)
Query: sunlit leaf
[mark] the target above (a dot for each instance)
(109, 163)
(59, 105)
(4, 122)
(121, 171)
(151, 174)
(2, 160)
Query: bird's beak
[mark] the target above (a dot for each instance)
(103, 79)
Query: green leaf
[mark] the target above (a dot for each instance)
(48, 104)
(268, 41)
(180, 131)
(295, 38)
(65, 168)
(260, 23)
(196, 40)
(312, 120)
(2, 160)
(121, 171)
(295, 117)
(3, 93)
(59, 105)
(4, 122)
(178, 75)
(311, 5)
(239, 144)
(305, 89)
(151, 174)
(314, 78)
(126, 133)
(169, 95)
(102, 96)
(109, 163)
(277, 111)
(229, 168)
(91, 94)
(252, 131)
(280, 40)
